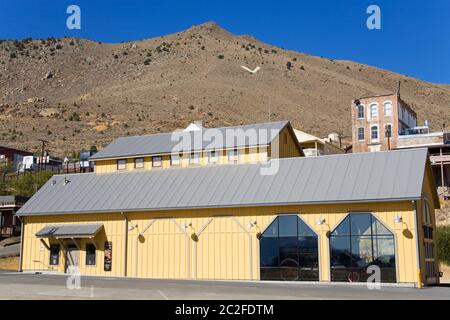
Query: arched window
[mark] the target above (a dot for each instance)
(374, 133)
(360, 111)
(358, 242)
(361, 133)
(289, 251)
(388, 130)
(374, 111)
(388, 108)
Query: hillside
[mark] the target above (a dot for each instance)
(76, 93)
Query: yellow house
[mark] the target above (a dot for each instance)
(196, 146)
(331, 218)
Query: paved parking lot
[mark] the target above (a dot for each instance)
(31, 286)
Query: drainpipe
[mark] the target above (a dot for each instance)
(125, 244)
(21, 243)
(416, 231)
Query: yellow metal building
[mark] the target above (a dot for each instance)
(324, 218)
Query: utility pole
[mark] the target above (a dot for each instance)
(42, 153)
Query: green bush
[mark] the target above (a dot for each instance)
(443, 243)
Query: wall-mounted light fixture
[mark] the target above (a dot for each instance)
(320, 221)
(398, 219)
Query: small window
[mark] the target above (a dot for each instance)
(388, 108)
(138, 163)
(194, 158)
(90, 254)
(121, 164)
(232, 156)
(360, 133)
(373, 111)
(374, 133)
(388, 131)
(54, 254)
(213, 157)
(263, 154)
(360, 111)
(175, 160)
(157, 162)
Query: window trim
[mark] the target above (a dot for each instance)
(172, 164)
(318, 235)
(380, 221)
(209, 157)
(191, 162)
(160, 161)
(236, 155)
(363, 108)
(118, 164)
(363, 134)
(377, 139)
(384, 108)
(86, 255)
(143, 163)
(59, 254)
(373, 104)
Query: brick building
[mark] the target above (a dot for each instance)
(378, 121)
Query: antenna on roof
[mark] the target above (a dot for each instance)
(270, 104)
(398, 88)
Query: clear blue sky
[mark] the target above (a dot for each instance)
(414, 38)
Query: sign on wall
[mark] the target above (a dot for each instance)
(108, 256)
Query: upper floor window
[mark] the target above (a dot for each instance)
(121, 164)
(138, 163)
(374, 133)
(157, 161)
(175, 159)
(388, 108)
(373, 111)
(360, 111)
(232, 155)
(213, 157)
(361, 133)
(388, 131)
(194, 158)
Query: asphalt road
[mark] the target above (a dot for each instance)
(31, 286)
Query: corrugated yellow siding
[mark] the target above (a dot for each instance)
(160, 243)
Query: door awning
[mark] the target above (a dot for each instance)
(71, 231)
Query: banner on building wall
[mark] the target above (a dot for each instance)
(108, 256)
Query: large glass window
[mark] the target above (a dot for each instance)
(358, 242)
(289, 251)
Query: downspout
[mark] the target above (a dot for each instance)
(125, 244)
(416, 232)
(21, 243)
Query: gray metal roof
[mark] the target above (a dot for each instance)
(69, 231)
(378, 176)
(168, 142)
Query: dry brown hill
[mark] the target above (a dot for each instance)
(77, 93)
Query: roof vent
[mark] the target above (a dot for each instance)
(66, 181)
